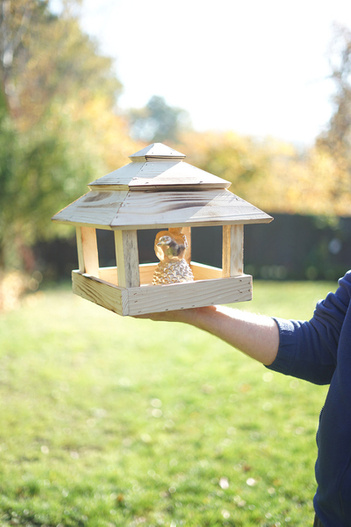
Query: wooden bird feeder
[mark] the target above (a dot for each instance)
(158, 190)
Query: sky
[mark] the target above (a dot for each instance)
(257, 67)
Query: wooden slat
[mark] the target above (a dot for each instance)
(120, 177)
(233, 250)
(109, 274)
(146, 272)
(158, 173)
(127, 258)
(157, 150)
(145, 210)
(200, 272)
(88, 257)
(80, 252)
(142, 210)
(174, 174)
(205, 272)
(102, 294)
(187, 232)
(96, 208)
(150, 299)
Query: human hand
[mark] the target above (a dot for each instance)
(186, 316)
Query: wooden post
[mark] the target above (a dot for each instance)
(127, 258)
(88, 257)
(187, 232)
(233, 250)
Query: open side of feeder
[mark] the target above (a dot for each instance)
(158, 190)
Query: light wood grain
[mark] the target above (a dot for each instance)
(159, 190)
(157, 150)
(233, 250)
(127, 258)
(106, 295)
(187, 232)
(109, 274)
(143, 210)
(205, 272)
(151, 299)
(118, 178)
(148, 210)
(146, 272)
(88, 257)
(95, 209)
(157, 174)
(174, 175)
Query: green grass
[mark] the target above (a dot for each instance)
(110, 421)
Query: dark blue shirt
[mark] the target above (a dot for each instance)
(319, 351)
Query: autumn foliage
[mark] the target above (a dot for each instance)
(274, 175)
(61, 127)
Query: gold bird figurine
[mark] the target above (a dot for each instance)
(170, 248)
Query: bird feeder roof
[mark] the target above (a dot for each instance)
(157, 189)
(158, 167)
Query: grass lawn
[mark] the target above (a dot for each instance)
(110, 421)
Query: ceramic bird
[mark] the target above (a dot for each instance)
(173, 268)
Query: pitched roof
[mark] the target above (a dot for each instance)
(158, 189)
(159, 167)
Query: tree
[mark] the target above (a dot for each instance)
(335, 141)
(8, 166)
(44, 56)
(158, 122)
(271, 174)
(15, 19)
(59, 114)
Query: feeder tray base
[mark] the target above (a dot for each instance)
(157, 298)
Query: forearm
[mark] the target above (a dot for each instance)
(254, 335)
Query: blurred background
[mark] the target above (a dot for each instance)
(107, 420)
(256, 93)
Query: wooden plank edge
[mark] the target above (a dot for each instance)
(190, 223)
(200, 271)
(202, 293)
(100, 292)
(143, 300)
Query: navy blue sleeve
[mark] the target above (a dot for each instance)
(308, 350)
